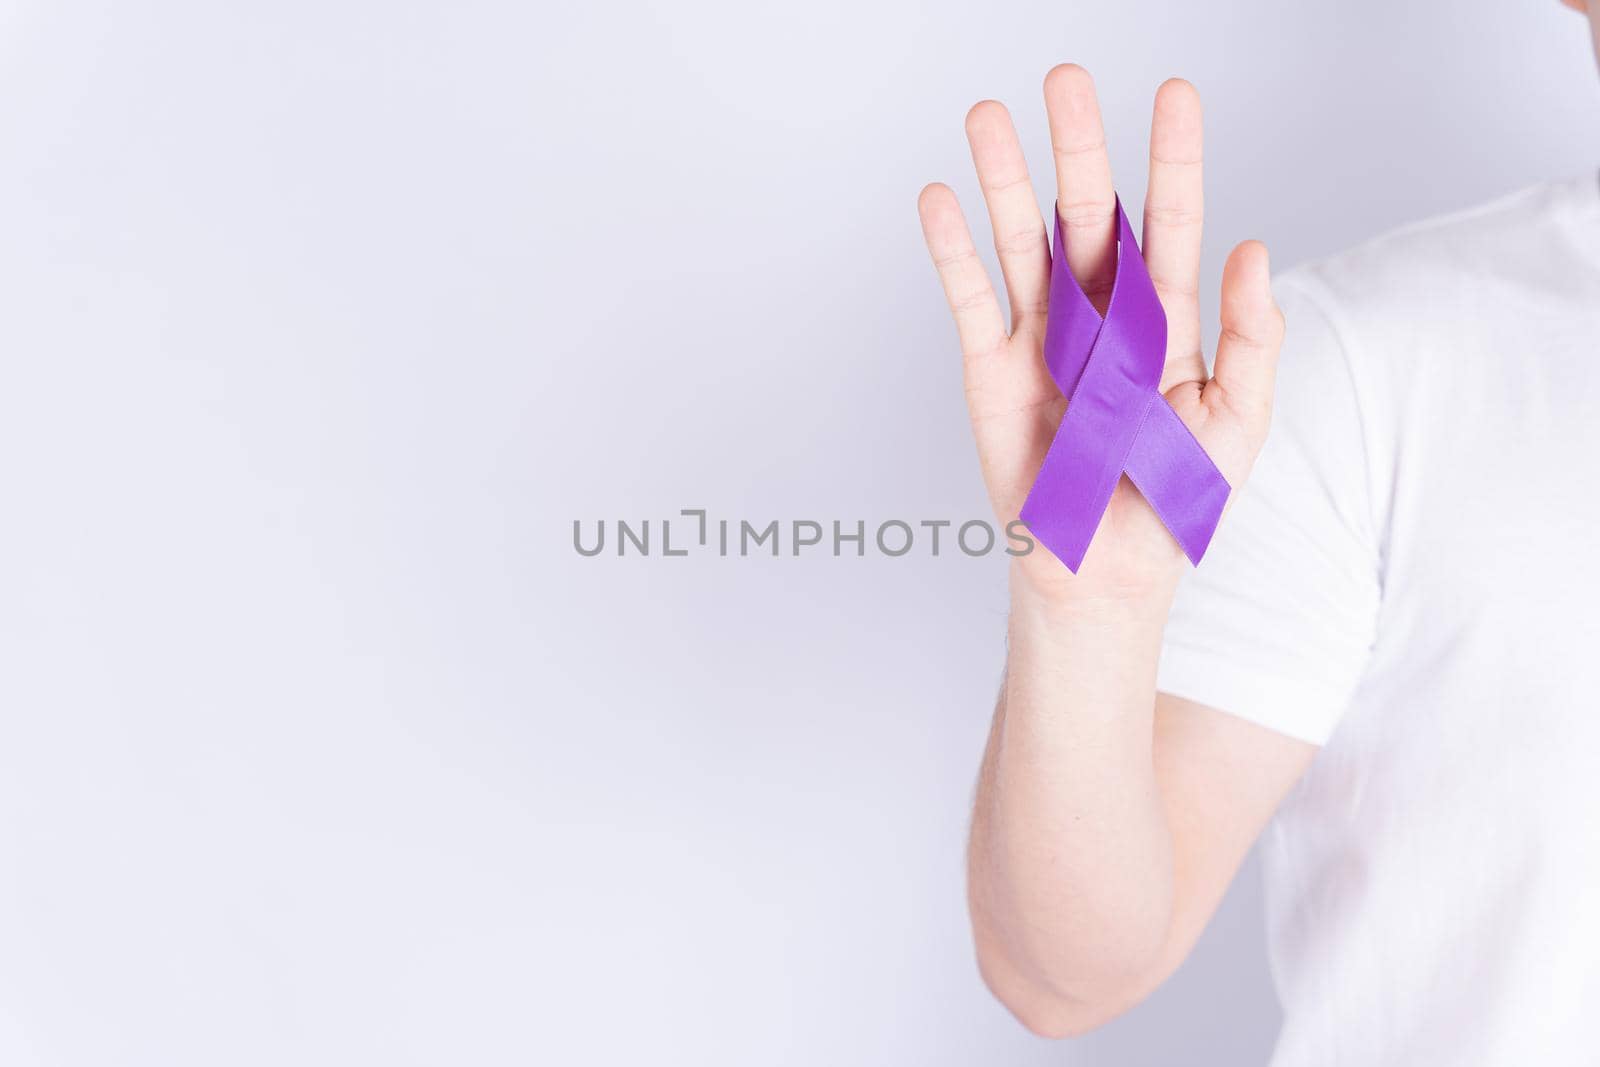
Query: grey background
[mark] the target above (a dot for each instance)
(321, 322)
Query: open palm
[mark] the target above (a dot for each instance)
(1013, 402)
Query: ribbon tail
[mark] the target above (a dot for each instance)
(1081, 470)
(1177, 478)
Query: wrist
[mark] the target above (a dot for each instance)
(1099, 650)
(1068, 599)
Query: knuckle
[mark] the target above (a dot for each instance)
(1082, 214)
(1019, 241)
(1172, 289)
(1002, 185)
(1173, 216)
(1082, 148)
(954, 258)
(969, 301)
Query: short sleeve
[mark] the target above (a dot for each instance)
(1276, 623)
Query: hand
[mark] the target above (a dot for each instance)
(1014, 404)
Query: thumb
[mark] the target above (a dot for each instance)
(1252, 333)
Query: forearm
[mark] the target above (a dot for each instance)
(1108, 823)
(1070, 868)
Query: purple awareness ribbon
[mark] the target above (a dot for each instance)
(1117, 421)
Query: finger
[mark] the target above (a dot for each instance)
(966, 283)
(1252, 333)
(1019, 234)
(1085, 196)
(1173, 211)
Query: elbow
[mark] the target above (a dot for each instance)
(1057, 1019)
(1047, 1012)
(1054, 1023)
(1060, 988)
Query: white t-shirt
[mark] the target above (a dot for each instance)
(1411, 579)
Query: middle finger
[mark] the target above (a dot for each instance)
(1085, 196)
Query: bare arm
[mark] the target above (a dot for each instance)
(1109, 819)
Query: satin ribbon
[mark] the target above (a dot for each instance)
(1117, 421)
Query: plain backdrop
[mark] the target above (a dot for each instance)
(322, 322)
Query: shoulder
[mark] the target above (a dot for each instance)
(1427, 274)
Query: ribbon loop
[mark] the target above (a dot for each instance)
(1117, 421)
